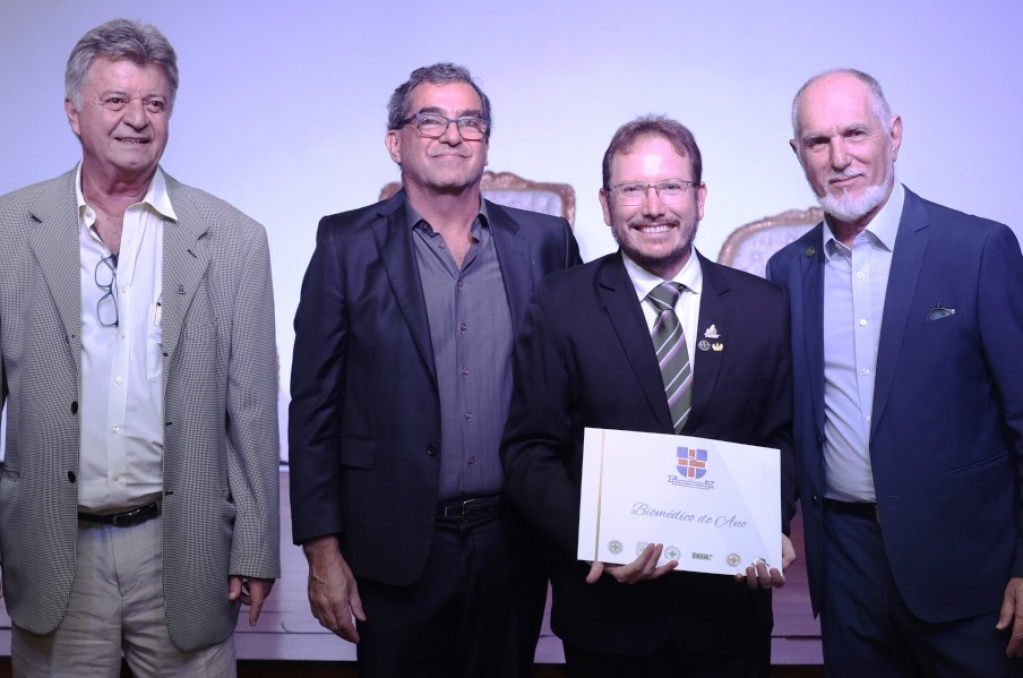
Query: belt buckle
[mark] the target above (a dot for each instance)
(466, 506)
(130, 518)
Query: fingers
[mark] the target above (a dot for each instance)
(259, 589)
(596, 569)
(788, 552)
(234, 587)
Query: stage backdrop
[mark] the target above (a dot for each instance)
(281, 109)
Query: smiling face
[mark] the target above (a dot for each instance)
(123, 120)
(846, 150)
(448, 164)
(657, 236)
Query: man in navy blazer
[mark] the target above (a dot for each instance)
(586, 358)
(907, 328)
(400, 390)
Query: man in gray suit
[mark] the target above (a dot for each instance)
(139, 495)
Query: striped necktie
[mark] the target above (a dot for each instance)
(672, 355)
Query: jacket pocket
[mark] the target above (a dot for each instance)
(358, 452)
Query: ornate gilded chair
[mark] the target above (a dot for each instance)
(749, 247)
(511, 190)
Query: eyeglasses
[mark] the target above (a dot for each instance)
(670, 191)
(434, 126)
(106, 279)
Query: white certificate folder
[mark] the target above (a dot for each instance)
(714, 505)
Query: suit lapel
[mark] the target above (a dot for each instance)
(394, 243)
(910, 246)
(185, 259)
(811, 262)
(513, 256)
(54, 243)
(618, 297)
(714, 327)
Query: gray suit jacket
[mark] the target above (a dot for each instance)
(219, 383)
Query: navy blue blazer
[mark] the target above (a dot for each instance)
(584, 358)
(946, 437)
(365, 427)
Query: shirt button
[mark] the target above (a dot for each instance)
(860, 275)
(863, 322)
(115, 429)
(463, 327)
(465, 371)
(124, 290)
(865, 371)
(119, 380)
(442, 246)
(460, 284)
(123, 334)
(115, 477)
(472, 460)
(468, 416)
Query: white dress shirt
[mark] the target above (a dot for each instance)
(121, 408)
(855, 284)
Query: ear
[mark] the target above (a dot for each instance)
(72, 117)
(701, 196)
(603, 196)
(795, 149)
(896, 136)
(393, 143)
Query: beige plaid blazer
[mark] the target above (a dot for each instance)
(219, 385)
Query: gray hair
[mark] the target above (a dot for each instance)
(877, 99)
(437, 74)
(677, 134)
(140, 43)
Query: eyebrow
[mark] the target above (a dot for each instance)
(467, 113)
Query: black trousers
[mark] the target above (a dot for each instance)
(476, 611)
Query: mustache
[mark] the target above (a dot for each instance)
(840, 176)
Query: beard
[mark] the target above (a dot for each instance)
(658, 264)
(848, 207)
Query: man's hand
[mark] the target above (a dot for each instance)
(759, 576)
(333, 593)
(1012, 613)
(252, 591)
(643, 567)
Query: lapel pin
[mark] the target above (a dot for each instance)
(181, 288)
(810, 251)
(704, 345)
(712, 332)
(718, 346)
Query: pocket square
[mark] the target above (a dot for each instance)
(939, 312)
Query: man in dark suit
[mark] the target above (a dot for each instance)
(907, 323)
(586, 358)
(400, 390)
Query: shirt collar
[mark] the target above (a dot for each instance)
(882, 229)
(156, 197)
(415, 218)
(691, 276)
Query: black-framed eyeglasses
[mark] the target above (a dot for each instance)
(670, 191)
(106, 279)
(433, 126)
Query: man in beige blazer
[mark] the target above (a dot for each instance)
(139, 494)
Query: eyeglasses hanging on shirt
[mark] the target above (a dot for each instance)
(106, 280)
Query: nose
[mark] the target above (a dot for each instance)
(839, 155)
(451, 134)
(652, 205)
(135, 114)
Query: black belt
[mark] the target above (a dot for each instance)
(470, 508)
(860, 509)
(126, 519)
